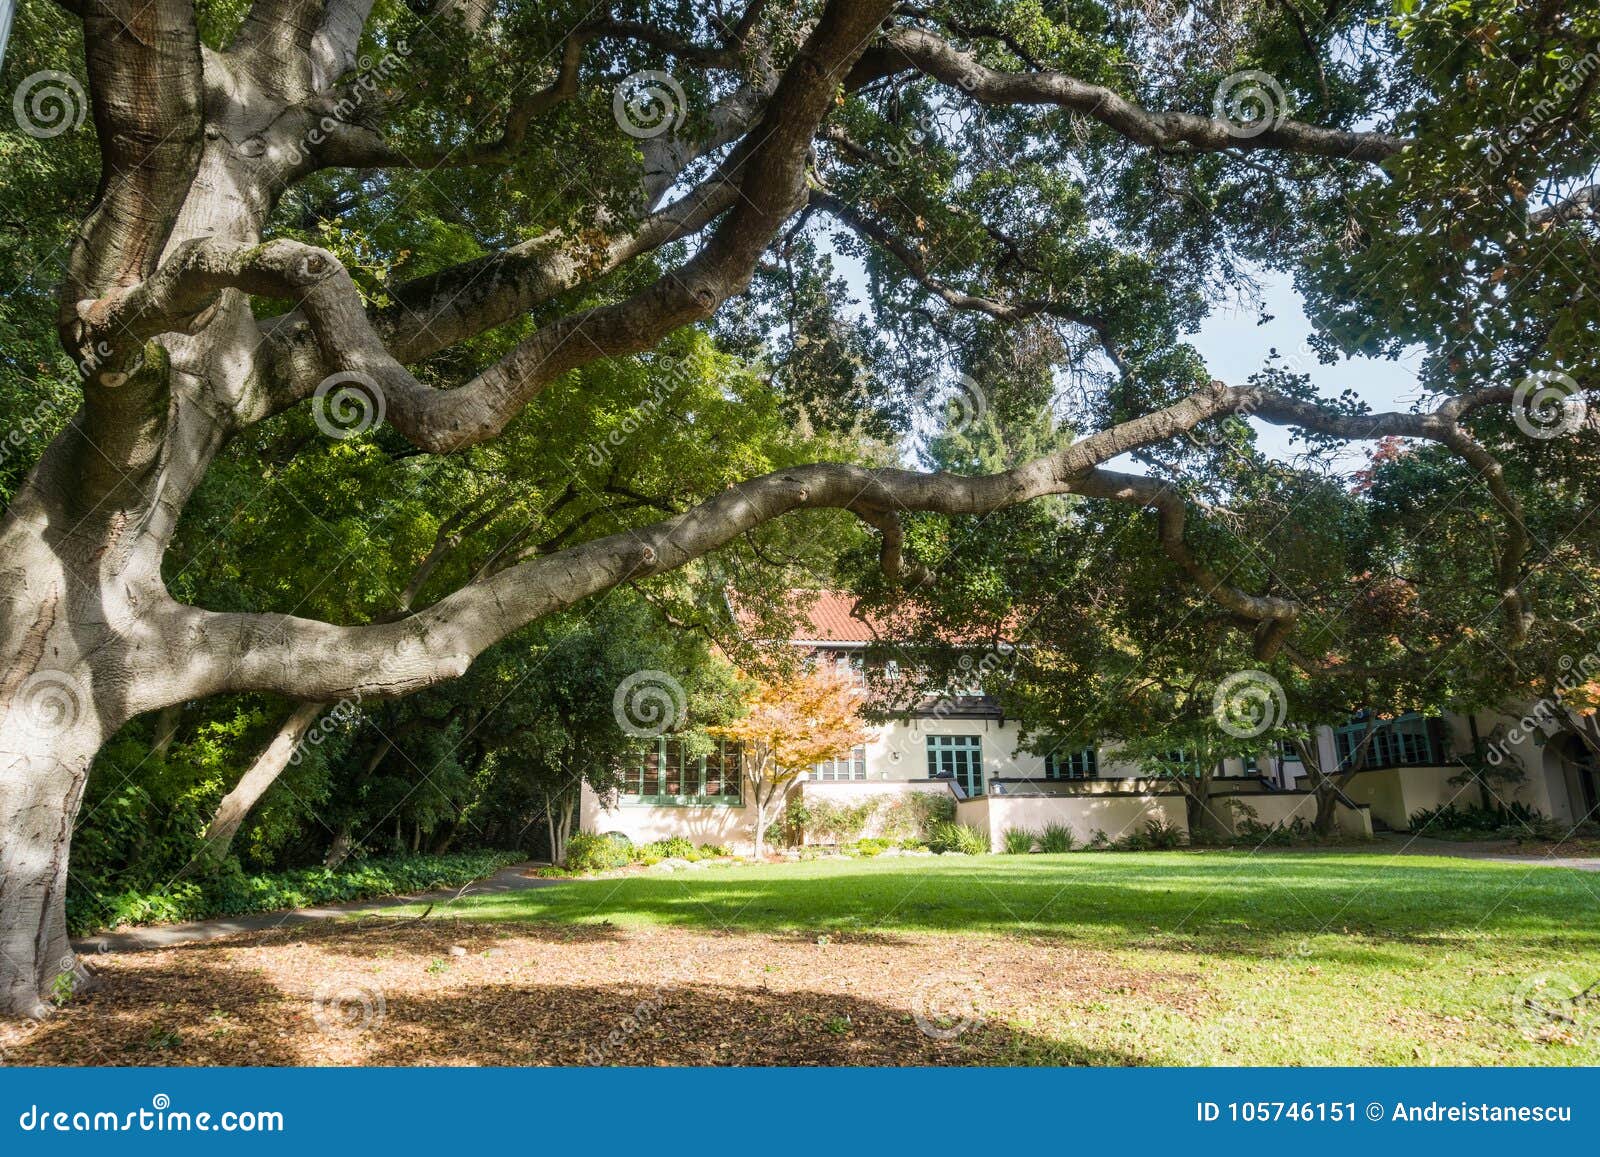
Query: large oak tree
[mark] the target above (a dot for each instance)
(1090, 173)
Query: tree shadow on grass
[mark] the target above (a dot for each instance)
(1243, 905)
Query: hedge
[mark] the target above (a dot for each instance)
(233, 893)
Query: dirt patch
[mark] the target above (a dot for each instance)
(432, 992)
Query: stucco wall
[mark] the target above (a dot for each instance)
(855, 792)
(1275, 808)
(1116, 815)
(733, 826)
(899, 750)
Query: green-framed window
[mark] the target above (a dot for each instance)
(1083, 764)
(660, 773)
(1407, 740)
(957, 757)
(853, 766)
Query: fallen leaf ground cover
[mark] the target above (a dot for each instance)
(1156, 958)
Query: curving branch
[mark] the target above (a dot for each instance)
(313, 660)
(1157, 129)
(770, 188)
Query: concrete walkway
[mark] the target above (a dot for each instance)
(1494, 851)
(512, 879)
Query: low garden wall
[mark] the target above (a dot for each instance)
(1124, 814)
(1115, 815)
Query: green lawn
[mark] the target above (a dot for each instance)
(1289, 957)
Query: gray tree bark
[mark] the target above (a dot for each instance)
(263, 773)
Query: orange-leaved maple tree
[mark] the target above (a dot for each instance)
(794, 722)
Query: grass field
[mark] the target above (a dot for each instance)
(1172, 958)
(1269, 958)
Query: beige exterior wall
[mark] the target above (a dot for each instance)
(643, 824)
(731, 826)
(1273, 808)
(1115, 815)
(899, 750)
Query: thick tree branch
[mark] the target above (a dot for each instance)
(1157, 129)
(322, 661)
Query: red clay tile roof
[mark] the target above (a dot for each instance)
(823, 617)
(828, 617)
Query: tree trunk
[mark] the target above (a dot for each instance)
(253, 784)
(339, 849)
(166, 729)
(43, 770)
(1198, 809)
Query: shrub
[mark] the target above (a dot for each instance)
(840, 823)
(1056, 838)
(1281, 835)
(714, 851)
(591, 853)
(1449, 818)
(913, 815)
(873, 847)
(1017, 841)
(1160, 834)
(677, 848)
(949, 836)
(230, 892)
(787, 828)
